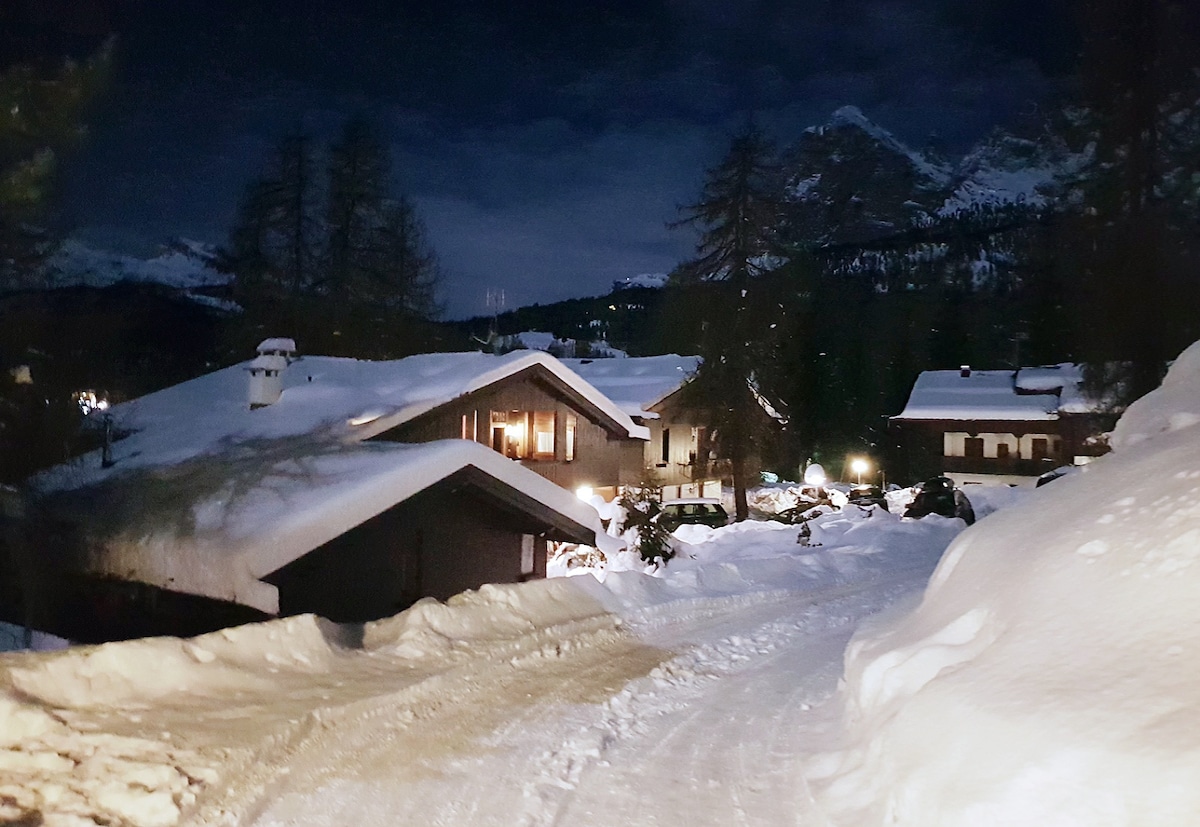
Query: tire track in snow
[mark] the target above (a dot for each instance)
(657, 733)
(562, 725)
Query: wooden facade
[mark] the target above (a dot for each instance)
(443, 541)
(681, 451)
(996, 451)
(538, 420)
(465, 531)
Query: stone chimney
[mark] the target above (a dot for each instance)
(266, 371)
(965, 371)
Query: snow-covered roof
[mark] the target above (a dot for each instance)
(637, 383)
(441, 377)
(223, 521)
(350, 399)
(984, 394)
(1035, 393)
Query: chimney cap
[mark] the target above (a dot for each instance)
(277, 345)
(964, 371)
(267, 362)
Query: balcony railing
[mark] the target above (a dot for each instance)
(993, 465)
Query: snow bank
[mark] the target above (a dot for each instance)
(1048, 677)
(58, 766)
(231, 660)
(493, 613)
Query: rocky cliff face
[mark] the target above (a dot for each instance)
(851, 181)
(869, 204)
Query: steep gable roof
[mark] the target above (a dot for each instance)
(348, 399)
(637, 383)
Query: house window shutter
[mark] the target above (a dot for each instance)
(569, 448)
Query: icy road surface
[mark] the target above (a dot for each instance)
(688, 699)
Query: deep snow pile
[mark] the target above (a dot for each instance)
(1049, 675)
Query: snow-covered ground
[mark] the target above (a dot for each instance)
(1046, 676)
(684, 698)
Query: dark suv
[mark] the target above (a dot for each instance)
(940, 496)
(867, 495)
(697, 511)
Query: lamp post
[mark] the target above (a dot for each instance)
(859, 466)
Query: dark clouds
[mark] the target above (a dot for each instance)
(545, 143)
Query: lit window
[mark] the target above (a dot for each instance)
(543, 434)
(523, 434)
(569, 448)
(515, 435)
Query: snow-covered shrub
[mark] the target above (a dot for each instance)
(642, 509)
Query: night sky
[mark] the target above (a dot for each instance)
(545, 144)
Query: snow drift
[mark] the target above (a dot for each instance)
(1049, 675)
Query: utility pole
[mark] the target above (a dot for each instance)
(495, 304)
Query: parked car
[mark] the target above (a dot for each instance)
(939, 495)
(1051, 476)
(867, 495)
(694, 511)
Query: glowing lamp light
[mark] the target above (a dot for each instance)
(814, 475)
(859, 466)
(584, 492)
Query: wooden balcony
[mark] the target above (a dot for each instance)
(992, 465)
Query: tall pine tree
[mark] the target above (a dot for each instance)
(358, 180)
(737, 213)
(1137, 243)
(354, 266)
(277, 236)
(43, 99)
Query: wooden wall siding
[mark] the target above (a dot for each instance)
(601, 458)
(436, 544)
(933, 446)
(956, 444)
(680, 467)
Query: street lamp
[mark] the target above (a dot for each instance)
(859, 466)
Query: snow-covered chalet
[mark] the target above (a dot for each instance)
(680, 451)
(342, 487)
(999, 426)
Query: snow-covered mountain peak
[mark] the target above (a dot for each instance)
(851, 117)
(185, 264)
(1007, 170)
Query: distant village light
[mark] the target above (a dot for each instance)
(89, 401)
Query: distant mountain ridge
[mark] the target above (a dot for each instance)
(868, 205)
(851, 180)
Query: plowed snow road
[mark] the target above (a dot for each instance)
(693, 714)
